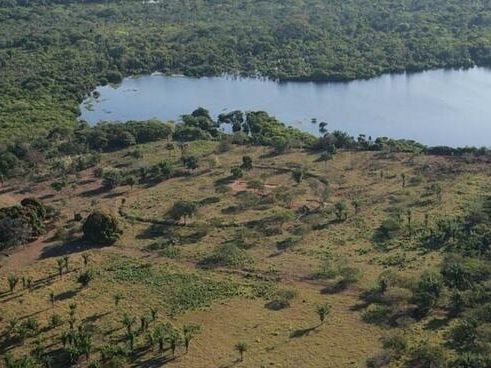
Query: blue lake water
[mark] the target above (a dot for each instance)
(440, 107)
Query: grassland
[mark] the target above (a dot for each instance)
(161, 267)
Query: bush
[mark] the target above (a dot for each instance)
(287, 243)
(282, 299)
(182, 209)
(114, 76)
(397, 344)
(112, 178)
(101, 228)
(380, 360)
(55, 320)
(85, 278)
(472, 360)
(228, 255)
(236, 172)
(388, 229)
(427, 355)
(377, 314)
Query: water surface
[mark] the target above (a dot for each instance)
(440, 107)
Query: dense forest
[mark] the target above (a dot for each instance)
(53, 53)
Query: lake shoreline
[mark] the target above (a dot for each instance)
(402, 106)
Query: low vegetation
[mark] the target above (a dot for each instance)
(134, 244)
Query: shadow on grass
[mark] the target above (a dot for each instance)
(224, 181)
(230, 365)
(67, 295)
(303, 332)
(73, 247)
(437, 323)
(94, 192)
(335, 287)
(95, 317)
(47, 196)
(154, 362)
(156, 231)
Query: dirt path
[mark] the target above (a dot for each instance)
(25, 255)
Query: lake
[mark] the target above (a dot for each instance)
(439, 107)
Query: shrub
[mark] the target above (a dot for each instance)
(282, 299)
(464, 335)
(376, 314)
(388, 229)
(236, 172)
(55, 320)
(287, 243)
(428, 356)
(396, 343)
(101, 228)
(182, 209)
(341, 210)
(228, 255)
(85, 277)
(380, 360)
(246, 163)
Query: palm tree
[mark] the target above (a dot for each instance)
(159, 336)
(117, 298)
(66, 260)
(52, 298)
(86, 258)
(84, 344)
(173, 338)
(131, 340)
(144, 322)
(153, 313)
(241, 347)
(60, 264)
(323, 311)
(29, 283)
(128, 321)
(409, 214)
(12, 325)
(188, 333)
(323, 127)
(12, 281)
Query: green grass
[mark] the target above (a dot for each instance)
(180, 290)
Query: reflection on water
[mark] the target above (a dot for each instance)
(451, 107)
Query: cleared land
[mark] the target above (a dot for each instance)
(275, 242)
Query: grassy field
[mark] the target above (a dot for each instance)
(174, 271)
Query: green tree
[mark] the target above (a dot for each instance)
(52, 298)
(131, 181)
(117, 298)
(86, 259)
(60, 266)
(66, 263)
(189, 332)
(298, 175)
(341, 210)
(128, 321)
(190, 162)
(173, 338)
(241, 348)
(12, 281)
(85, 278)
(183, 210)
(101, 228)
(246, 163)
(236, 172)
(323, 311)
